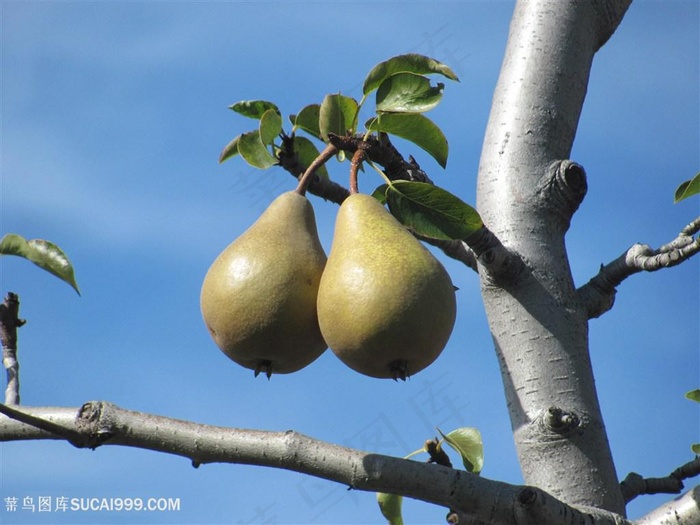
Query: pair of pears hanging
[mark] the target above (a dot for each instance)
(381, 301)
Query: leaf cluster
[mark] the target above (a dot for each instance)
(403, 93)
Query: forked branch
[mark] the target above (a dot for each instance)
(598, 295)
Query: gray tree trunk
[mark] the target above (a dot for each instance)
(527, 196)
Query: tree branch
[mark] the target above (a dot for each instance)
(320, 186)
(9, 322)
(635, 485)
(99, 423)
(382, 151)
(457, 250)
(598, 295)
(48, 424)
(684, 510)
(378, 149)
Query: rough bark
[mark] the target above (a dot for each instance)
(527, 193)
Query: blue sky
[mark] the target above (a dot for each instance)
(113, 117)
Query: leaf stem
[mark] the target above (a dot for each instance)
(329, 151)
(356, 118)
(381, 173)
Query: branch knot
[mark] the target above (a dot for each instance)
(562, 189)
(560, 421)
(93, 423)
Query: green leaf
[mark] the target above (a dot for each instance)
(230, 150)
(390, 505)
(416, 128)
(687, 189)
(408, 93)
(270, 126)
(696, 449)
(693, 395)
(336, 115)
(44, 254)
(306, 153)
(253, 108)
(430, 211)
(411, 63)
(254, 152)
(307, 119)
(380, 193)
(467, 441)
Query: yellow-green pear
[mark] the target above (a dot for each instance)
(386, 306)
(258, 298)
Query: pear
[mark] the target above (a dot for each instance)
(386, 306)
(258, 299)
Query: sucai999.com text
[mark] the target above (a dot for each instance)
(66, 504)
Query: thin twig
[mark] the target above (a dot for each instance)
(635, 485)
(40, 423)
(599, 293)
(320, 186)
(9, 322)
(381, 151)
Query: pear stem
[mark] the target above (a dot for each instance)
(355, 164)
(328, 152)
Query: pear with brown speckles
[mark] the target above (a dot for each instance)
(386, 306)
